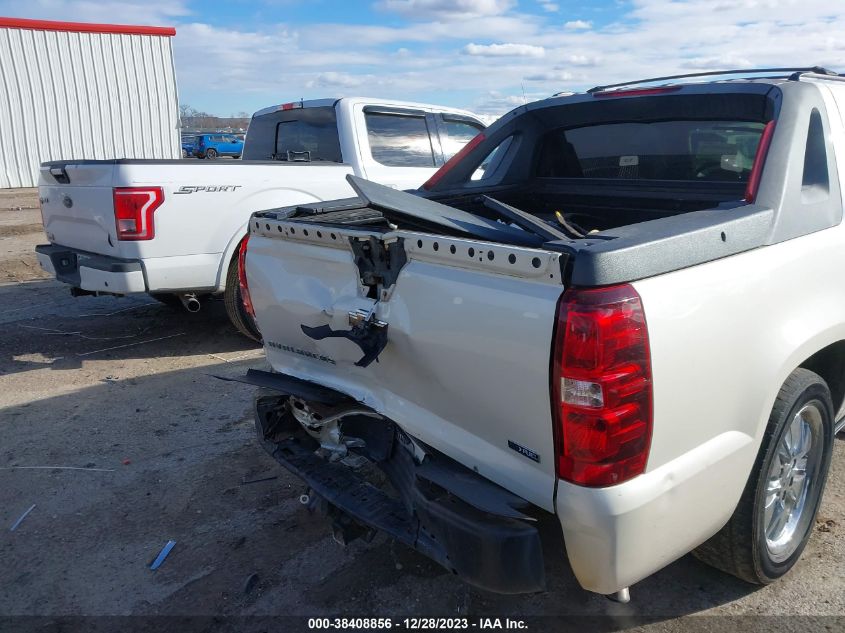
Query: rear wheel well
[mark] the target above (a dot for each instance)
(829, 363)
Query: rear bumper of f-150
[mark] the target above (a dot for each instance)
(91, 272)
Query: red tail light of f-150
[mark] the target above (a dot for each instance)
(133, 212)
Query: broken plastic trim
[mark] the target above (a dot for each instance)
(429, 216)
(496, 552)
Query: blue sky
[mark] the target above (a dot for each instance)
(484, 55)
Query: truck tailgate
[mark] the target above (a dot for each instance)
(469, 328)
(77, 205)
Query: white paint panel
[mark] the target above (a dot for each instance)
(70, 95)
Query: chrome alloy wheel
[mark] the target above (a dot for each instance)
(791, 476)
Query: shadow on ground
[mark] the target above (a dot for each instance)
(177, 448)
(41, 325)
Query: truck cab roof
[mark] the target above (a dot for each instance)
(352, 101)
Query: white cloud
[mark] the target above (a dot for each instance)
(556, 75)
(356, 36)
(720, 62)
(550, 7)
(578, 25)
(446, 9)
(333, 79)
(504, 50)
(496, 103)
(582, 60)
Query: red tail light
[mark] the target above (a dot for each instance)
(759, 161)
(133, 212)
(247, 300)
(601, 386)
(457, 158)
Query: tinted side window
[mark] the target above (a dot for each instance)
(488, 166)
(399, 140)
(455, 134)
(313, 130)
(816, 182)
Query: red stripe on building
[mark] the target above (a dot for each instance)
(85, 27)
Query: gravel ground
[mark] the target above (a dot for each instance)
(124, 387)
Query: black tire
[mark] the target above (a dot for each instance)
(211, 154)
(238, 315)
(742, 548)
(236, 157)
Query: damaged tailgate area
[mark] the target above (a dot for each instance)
(365, 474)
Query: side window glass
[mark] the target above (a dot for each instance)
(488, 166)
(456, 134)
(399, 140)
(815, 185)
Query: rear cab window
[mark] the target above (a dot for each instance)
(298, 134)
(690, 150)
(703, 142)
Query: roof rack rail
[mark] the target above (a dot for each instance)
(792, 73)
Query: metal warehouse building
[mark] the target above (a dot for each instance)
(72, 90)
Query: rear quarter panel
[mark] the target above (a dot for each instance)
(724, 337)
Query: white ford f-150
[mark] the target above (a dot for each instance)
(618, 308)
(173, 228)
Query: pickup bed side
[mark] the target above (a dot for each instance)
(718, 361)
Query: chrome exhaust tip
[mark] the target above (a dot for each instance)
(191, 303)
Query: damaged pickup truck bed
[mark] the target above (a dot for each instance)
(616, 308)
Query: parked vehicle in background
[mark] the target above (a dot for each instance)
(211, 146)
(174, 229)
(619, 308)
(188, 143)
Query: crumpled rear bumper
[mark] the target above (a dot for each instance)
(495, 552)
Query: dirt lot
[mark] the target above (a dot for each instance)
(123, 390)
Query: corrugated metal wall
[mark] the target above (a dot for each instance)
(70, 95)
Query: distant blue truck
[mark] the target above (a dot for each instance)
(213, 145)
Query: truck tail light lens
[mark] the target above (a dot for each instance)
(457, 158)
(601, 386)
(247, 300)
(759, 161)
(133, 211)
